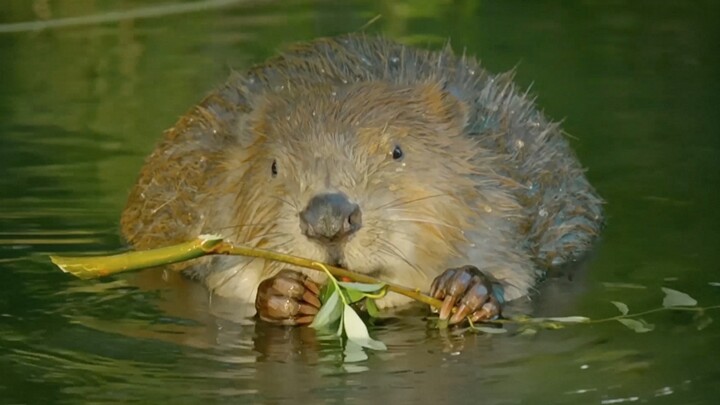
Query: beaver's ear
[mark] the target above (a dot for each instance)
(444, 106)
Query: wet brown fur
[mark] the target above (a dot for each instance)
(485, 180)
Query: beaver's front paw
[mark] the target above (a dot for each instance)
(476, 294)
(289, 298)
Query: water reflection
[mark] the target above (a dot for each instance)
(82, 105)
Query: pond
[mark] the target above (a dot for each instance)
(87, 87)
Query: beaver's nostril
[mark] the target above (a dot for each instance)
(355, 218)
(330, 218)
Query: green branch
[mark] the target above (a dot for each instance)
(88, 267)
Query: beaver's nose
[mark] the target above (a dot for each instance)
(330, 218)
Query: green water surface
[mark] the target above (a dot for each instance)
(86, 91)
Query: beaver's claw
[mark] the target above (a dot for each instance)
(476, 294)
(288, 298)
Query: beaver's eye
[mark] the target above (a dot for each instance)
(274, 168)
(397, 153)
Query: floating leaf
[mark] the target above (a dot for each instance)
(625, 285)
(567, 319)
(492, 331)
(352, 368)
(702, 320)
(551, 325)
(675, 298)
(330, 311)
(353, 353)
(357, 332)
(371, 308)
(368, 288)
(528, 332)
(621, 306)
(639, 326)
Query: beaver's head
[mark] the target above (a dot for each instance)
(373, 177)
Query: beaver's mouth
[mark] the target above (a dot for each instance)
(336, 257)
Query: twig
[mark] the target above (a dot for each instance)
(99, 266)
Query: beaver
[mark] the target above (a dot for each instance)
(415, 166)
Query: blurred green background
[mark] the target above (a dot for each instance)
(87, 87)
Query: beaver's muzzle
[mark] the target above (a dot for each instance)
(330, 218)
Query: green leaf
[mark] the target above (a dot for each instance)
(567, 319)
(368, 288)
(326, 291)
(341, 324)
(354, 295)
(371, 307)
(528, 332)
(357, 332)
(621, 306)
(329, 312)
(492, 331)
(625, 285)
(702, 320)
(639, 326)
(675, 298)
(353, 353)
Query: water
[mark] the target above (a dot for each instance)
(84, 101)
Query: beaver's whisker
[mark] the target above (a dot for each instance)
(398, 202)
(258, 238)
(232, 274)
(278, 246)
(416, 247)
(426, 221)
(224, 228)
(288, 203)
(394, 230)
(393, 250)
